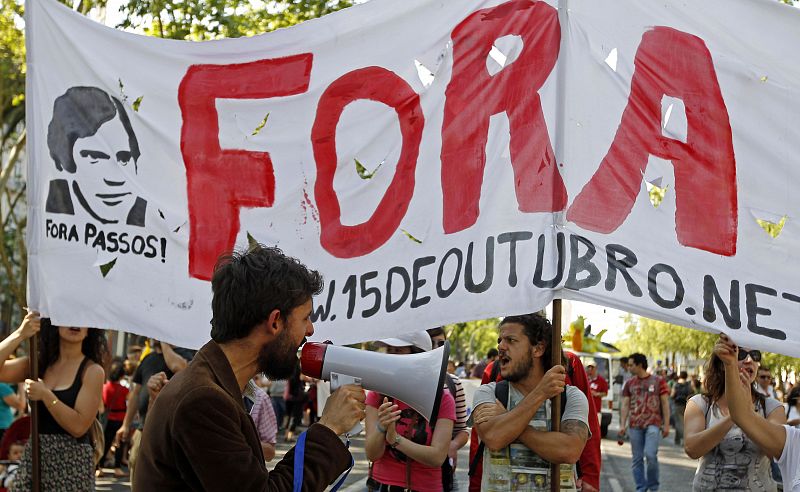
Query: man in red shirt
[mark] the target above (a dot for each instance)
(597, 384)
(590, 460)
(645, 400)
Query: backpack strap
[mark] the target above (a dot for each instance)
(495, 372)
(501, 392)
(451, 385)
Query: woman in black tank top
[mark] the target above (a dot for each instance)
(68, 397)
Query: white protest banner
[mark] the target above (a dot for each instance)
(436, 161)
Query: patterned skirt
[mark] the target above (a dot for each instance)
(66, 465)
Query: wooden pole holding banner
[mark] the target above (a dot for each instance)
(555, 403)
(36, 468)
(560, 136)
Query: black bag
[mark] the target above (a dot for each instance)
(682, 393)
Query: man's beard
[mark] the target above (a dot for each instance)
(278, 359)
(519, 369)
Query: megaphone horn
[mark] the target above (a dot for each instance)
(416, 379)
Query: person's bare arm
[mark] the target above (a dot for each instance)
(433, 455)
(14, 401)
(665, 415)
(564, 446)
(698, 440)
(504, 428)
(174, 361)
(17, 370)
(76, 421)
(624, 410)
(123, 434)
(769, 436)
(457, 443)
(375, 443)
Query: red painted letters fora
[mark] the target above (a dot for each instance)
(673, 63)
(220, 182)
(384, 86)
(473, 96)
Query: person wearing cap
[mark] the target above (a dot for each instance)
(597, 384)
(407, 451)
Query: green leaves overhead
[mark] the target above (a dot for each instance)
(214, 19)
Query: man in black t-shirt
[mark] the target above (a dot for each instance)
(160, 364)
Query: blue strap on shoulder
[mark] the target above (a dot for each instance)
(299, 458)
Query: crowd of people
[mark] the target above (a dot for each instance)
(730, 456)
(201, 420)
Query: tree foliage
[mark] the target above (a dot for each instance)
(13, 254)
(471, 340)
(652, 337)
(199, 20)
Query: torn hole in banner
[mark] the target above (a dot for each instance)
(673, 118)
(611, 59)
(424, 73)
(656, 191)
(137, 103)
(770, 222)
(363, 172)
(504, 52)
(411, 237)
(105, 261)
(123, 97)
(260, 126)
(429, 62)
(657, 176)
(175, 222)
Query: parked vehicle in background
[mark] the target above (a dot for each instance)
(607, 365)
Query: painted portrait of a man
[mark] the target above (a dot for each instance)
(91, 141)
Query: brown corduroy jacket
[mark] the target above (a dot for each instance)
(198, 436)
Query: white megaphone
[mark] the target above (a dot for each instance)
(415, 379)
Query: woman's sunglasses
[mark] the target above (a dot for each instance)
(754, 354)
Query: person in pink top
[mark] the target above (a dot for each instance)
(407, 454)
(259, 406)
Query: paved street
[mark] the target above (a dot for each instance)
(677, 469)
